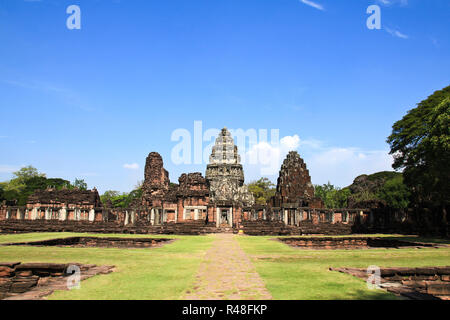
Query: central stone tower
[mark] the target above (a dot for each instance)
(225, 174)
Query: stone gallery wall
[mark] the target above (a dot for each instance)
(423, 221)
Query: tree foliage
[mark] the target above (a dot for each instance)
(80, 184)
(382, 187)
(117, 199)
(262, 189)
(420, 144)
(395, 193)
(25, 181)
(333, 197)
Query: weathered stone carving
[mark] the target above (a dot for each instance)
(224, 173)
(156, 179)
(294, 183)
(192, 184)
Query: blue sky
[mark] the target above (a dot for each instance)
(92, 103)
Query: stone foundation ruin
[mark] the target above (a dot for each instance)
(30, 281)
(107, 242)
(424, 283)
(353, 243)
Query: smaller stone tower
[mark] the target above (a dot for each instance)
(294, 183)
(156, 179)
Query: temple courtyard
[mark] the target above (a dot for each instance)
(221, 266)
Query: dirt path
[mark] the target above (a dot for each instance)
(227, 273)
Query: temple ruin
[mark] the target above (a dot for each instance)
(216, 202)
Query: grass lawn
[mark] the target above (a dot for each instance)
(157, 273)
(291, 273)
(167, 272)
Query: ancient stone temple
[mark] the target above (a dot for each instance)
(294, 183)
(225, 177)
(216, 202)
(294, 191)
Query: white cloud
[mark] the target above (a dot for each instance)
(131, 166)
(313, 4)
(396, 33)
(290, 142)
(264, 159)
(339, 165)
(402, 3)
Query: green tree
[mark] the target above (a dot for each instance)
(108, 194)
(18, 182)
(22, 185)
(134, 196)
(262, 189)
(57, 183)
(25, 182)
(420, 144)
(28, 172)
(80, 184)
(332, 197)
(395, 193)
(121, 199)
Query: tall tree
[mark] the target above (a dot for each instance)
(80, 184)
(332, 197)
(420, 144)
(262, 189)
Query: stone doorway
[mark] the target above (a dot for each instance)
(224, 217)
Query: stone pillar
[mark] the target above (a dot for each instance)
(92, 215)
(63, 214)
(7, 214)
(46, 216)
(195, 214)
(152, 216)
(126, 218)
(217, 217)
(34, 213)
(285, 217)
(133, 218)
(157, 218)
(18, 214)
(231, 217)
(264, 214)
(176, 215)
